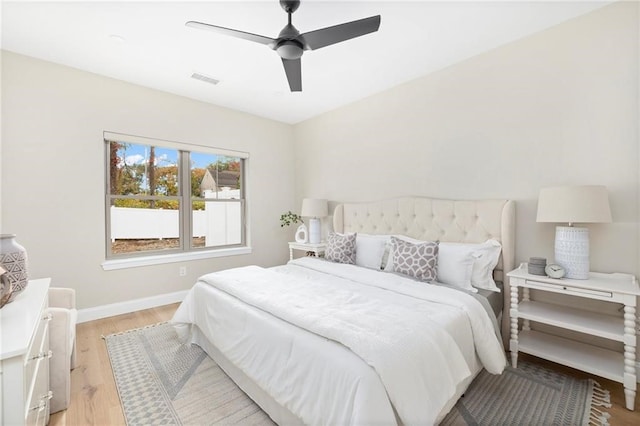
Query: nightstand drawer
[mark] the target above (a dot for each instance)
(559, 288)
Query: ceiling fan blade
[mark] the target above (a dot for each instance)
(327, 36)
(230, 32)
(293, 68)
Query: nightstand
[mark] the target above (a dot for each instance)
(316, 249)
(614, 288)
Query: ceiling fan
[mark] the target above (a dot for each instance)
(290, 44)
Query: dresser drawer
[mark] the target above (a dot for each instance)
(37, 402)
(38, 351)
(36, 343)
(37, 417)
(25, 336)
(37, 377)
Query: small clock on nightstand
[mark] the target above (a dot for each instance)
(554, 270)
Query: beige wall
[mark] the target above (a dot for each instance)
(559, 107)
(52, 164)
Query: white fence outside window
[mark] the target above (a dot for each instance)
(219, 223)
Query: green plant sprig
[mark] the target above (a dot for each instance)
(289, 218)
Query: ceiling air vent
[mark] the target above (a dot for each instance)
(204, 78)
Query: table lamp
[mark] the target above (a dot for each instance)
(573, 204)
(314, 209)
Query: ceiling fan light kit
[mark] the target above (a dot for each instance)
(290, 49)
(290, 44)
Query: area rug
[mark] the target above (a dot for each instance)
(163, 382)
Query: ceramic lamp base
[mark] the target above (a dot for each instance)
(314, 231)
(572, 251)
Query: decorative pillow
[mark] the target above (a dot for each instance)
(482, 273)
(455, 264)
(370, 250)
(415, 260)
(341, 248)
(388, 263)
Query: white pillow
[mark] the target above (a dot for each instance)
(370, 250)
(456, 263)
(482, 274)
(484, 260)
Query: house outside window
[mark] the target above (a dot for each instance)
(164, 197)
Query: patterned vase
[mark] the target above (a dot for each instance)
(13, 258)
(6, 288)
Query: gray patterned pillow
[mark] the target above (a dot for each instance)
(415, 260)
(341, 248)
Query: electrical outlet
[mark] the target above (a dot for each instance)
(182, 271)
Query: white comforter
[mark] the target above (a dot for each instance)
(390, 322)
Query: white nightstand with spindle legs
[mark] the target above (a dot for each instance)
(614, 288)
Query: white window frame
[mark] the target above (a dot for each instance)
(185, 252)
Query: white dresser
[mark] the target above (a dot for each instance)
(24, 357)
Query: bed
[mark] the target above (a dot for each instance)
(319, 342)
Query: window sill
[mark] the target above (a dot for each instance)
(134, 262)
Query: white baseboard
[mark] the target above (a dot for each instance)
(104, 311)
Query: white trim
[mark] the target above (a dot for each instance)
(121, 137)
(134, 262)
(104, 311)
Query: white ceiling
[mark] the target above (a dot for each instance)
(147, 43)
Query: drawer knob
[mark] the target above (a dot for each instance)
(43, 402)
(41, 406)
(41, 355)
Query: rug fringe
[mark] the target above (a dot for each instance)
(599, 398)
(133, 330)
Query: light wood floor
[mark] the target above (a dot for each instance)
(94, 397)
(95, 401)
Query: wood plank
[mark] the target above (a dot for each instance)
(94, 396)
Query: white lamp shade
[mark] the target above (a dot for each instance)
(574, 204)
(312, 207)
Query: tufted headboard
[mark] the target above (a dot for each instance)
(461, 221)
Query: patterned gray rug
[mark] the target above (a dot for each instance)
(162, 382)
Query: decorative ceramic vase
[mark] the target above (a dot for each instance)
(6, 288)
(301, 234)
(13, 258)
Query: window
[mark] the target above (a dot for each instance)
(168, 198)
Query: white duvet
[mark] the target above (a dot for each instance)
(393, 324)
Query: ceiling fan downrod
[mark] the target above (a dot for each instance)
(289, 47)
